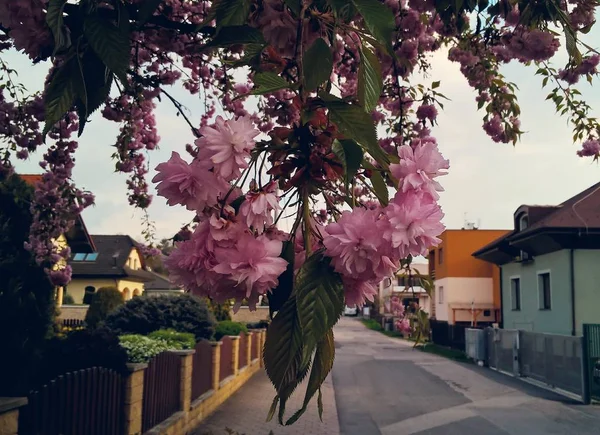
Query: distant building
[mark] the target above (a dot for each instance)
(115, 262)
(408, 291)
(550, 266)
(161, 285)
(466, 289)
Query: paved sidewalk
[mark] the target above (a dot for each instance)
(246, 411)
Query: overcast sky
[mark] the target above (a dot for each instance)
(487, 181)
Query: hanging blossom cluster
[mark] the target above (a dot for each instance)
(230, 254)
(170, 49)
(57, 203)
(367, 244)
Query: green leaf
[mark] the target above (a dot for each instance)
(267, 82)
(231, 12)
(97, 81)
(54, 19)
(283, 353)
(435, 85)
(61, 92)
(380, 187)
(320, 301)
(379, 19)
(282, 292)
(110, 43)
(350, 154)
(571, 43)
(318, 63)
(147, 9)
(294, 6)
(354, 123)
(343, 9)
(322, 365)
(237, 35)
(370, 83)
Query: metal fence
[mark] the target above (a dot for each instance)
(554, 360)
(447, 335)
(161, 389)
(501, 347)
(73, 323)
(87, 401)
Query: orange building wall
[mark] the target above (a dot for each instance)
(458, 262)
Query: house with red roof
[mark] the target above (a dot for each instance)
(550, 266)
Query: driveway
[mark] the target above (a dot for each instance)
(383, 386)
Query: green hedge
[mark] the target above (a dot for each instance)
(141, 349)
(180, 340)
(228, 327)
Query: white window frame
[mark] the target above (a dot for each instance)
(440, 291)
(539, 290)
(510, 280)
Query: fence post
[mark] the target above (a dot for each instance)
(9, 414)
(185, 379)
(586, 394)
(216, 364)
(235, 349)
(248, 355)
(134, 395)
(516, 354)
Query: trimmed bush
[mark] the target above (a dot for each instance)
(141, 349)
(228, 327)
(68, 300)
(180, 340)
(144, 315)
(263, 324)
(104, 302)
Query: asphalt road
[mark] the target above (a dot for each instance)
(383, 386)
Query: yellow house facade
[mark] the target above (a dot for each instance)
(116, 262)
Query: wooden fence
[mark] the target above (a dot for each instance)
(73, 323)
(161, 389)
(87, 401)
(99, 401)
(226, 358)
(254, 348)
(244, 340)
(202, 376)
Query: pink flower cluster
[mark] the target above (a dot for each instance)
(26, 21)
(367, 244)
(590, 148)
(229, 255)
(56, 192)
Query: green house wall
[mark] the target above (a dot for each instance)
(557, 320)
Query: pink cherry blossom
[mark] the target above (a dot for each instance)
(403, 325)
(590, 147)
(415, 222)
(357, 292)
(418, 168)
(356, 246)
(253, 264)
(227, 144)
(258, 207)
(190, 184)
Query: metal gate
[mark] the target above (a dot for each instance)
(591, 343)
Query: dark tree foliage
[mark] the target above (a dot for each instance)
(103, 302)
(80, 350)
(220, 311)
(27, 306)
(143, 315)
